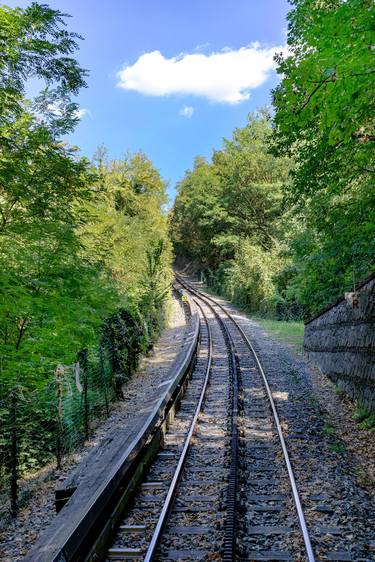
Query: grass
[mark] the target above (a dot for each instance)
(368, 423)
(329, 430)
(338, 391)
(290, 333)
(365, 418)
(337, 448)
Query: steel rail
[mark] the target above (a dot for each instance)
(176, 477)
(230, 531)
(297, 501)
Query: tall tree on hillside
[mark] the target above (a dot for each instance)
(125, 217)
(42, 184)
(227, 215)
(236, 196)
(325, 120)
(251, 180)
(198, 216)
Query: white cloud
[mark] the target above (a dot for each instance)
(187, 111)
(227, 76)
(56, 110)
(81, 113)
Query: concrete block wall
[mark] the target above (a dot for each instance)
(340, 340)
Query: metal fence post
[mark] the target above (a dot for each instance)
(82, 357)
(58, 379)
(13, 453)
(104, 382)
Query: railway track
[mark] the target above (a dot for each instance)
(208, 476)
(188, 479)
(271, 525)
(222, 487)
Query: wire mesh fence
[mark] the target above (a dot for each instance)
(46, 425)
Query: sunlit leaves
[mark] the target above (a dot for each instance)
(325, 119)
(227, 215)
(35, 45)
(73, 238)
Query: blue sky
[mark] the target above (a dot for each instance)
(179, 102)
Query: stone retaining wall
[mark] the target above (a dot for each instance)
(341, 342)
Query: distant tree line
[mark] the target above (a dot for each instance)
(282, 218)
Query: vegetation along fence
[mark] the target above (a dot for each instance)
(43, 426)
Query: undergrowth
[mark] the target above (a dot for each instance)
(365, 418)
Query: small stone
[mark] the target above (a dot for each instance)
(324, 508)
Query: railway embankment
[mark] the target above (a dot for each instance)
(37, 519)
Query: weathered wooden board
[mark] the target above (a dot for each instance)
(107, 467)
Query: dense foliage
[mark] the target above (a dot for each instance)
(227, 217)
(75, 237)
(84, 255)
(324, 119)
(282, 218)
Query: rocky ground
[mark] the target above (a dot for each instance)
(337, 410)
(333, 459)
(17, 537)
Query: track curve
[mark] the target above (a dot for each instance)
(297, 501)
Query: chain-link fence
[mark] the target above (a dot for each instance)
(42, 426)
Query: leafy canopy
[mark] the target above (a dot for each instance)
(73, 235)
(324, 119)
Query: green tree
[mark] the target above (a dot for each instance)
(251, 180)
(34, 44)
(125, 218)
(42, 183)
(198, 215)
(227, 215)
(325, 120)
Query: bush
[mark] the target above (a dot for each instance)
(249, 278)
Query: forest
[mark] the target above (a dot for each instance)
(84, 255)
(280, 219)
(77, 237)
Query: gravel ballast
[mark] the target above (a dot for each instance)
(333, 459)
